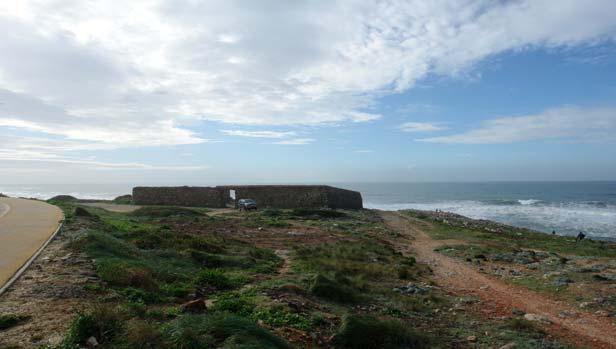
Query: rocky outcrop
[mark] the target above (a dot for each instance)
(123, 200)
(63, 198)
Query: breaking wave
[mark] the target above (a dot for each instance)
(597, 219)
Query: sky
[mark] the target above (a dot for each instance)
(220, 92)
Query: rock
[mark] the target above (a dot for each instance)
(66, 256)
(605, 277)
(471, 338)
(551, 274)
(508, 346)
(562, 282)
(410, 288)
(585, 304)
(536, 318)
(597, 268)
(567, 314)
(602, 313)
(92, 342)
(516, 311)
(196, 306)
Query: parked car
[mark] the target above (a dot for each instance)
(246, 204)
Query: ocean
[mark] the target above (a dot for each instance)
(565, 207)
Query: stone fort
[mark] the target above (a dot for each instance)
(272, 196)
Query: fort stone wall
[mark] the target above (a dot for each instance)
(274, 196)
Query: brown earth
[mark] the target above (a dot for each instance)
(584, 330)
(50, 292)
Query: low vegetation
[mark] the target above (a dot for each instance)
(174, 277)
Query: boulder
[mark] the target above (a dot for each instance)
(92, 342)
(536, 318)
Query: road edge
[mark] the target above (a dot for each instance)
(24, 267)
(5, 212)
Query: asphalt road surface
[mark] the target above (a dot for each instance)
(25, 226)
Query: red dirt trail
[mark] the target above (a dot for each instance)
(459, 278)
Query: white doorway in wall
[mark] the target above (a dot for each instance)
(232, 194)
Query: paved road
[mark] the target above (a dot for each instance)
(25, 225)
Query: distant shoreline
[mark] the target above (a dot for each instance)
(457, 220)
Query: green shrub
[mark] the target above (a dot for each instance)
(270, 212)
(215, 278)
(141, 296)
(123, 273)
(403, 273)
(98, 244)
(315, 213)
(333, 290)
(210, 260)
(145, 335)
(10, 320)
(206, 245)
(365, 332)
(149, 241)
(103, 323)
(219, 330)
(123, 200)
(522, 325)
(163, 211)
(409, 261)
(82, 212)
(277, 317)
(235, 303)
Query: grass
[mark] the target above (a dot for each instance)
(155, 260)
(104, 323)
(220, 330)
(333, 290)
(366, 332)
(10, 320)
(165, 211)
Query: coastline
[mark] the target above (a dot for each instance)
(460, 221)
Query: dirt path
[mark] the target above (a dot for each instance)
(457, 277)
(24, 228)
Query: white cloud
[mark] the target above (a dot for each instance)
(421, 127)
(295, 141)
(258, 134)
(142, 73)
(568, 123)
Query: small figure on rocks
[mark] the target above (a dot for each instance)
(580, 237)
